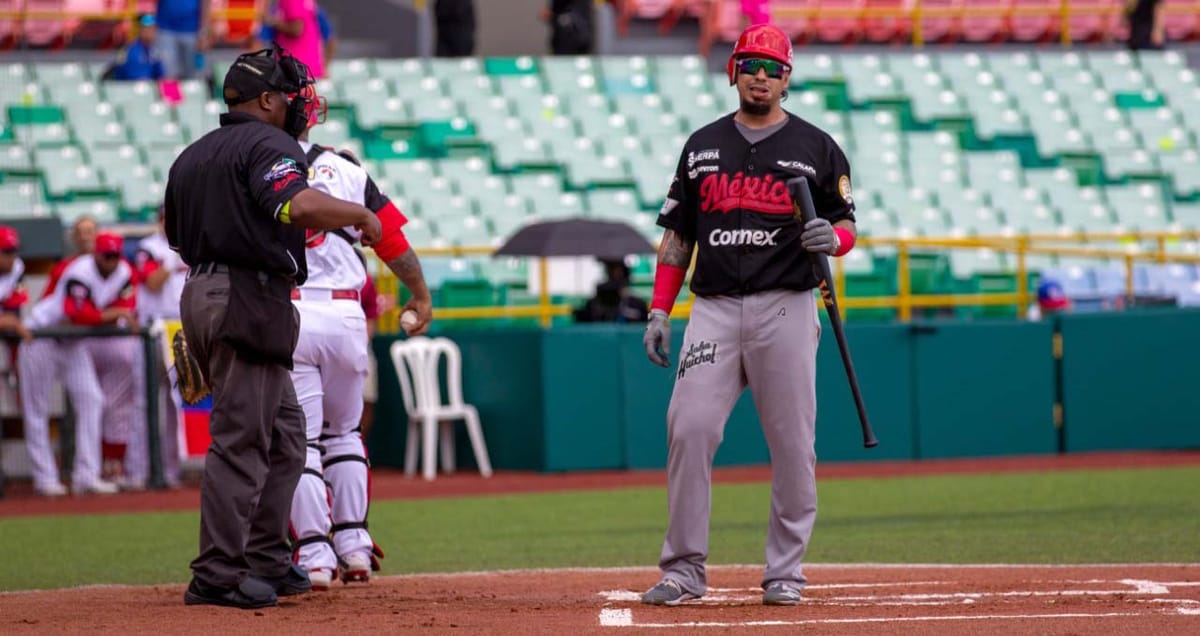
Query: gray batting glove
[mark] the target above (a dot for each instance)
(657, 338)
(818, 236)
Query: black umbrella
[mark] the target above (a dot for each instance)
(606, 240)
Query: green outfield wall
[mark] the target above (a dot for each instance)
(585, 397)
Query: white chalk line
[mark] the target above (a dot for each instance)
(623, 617)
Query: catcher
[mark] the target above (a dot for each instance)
(330, 526)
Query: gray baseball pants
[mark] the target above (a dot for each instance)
(767, 341)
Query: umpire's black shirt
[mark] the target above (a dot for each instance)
(227, 198)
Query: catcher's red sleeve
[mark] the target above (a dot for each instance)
(392, 242)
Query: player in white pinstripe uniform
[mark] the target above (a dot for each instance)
(330, 367)
(92, 290)
(161, 274)
(119, 364)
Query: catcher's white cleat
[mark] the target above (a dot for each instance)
(321, 579)
(356, 568)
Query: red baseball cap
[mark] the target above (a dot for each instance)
(108, 243)
(8, 238)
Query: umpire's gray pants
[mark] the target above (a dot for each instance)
(257, 451)
(769, 342)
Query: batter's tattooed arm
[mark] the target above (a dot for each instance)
(675, 250)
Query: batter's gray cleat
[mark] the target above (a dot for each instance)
(667, 592)
(780, 593)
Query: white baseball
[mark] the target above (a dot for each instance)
(408, 320)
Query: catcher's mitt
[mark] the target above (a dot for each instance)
(188, 376)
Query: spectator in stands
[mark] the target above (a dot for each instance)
(455, 21)
(572, 30)
(266, 34)
(296, 28)
(1145, 24)
(614, 300)
(183, 36)
(141, 60)
(1051, 299)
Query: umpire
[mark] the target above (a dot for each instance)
(237, 203)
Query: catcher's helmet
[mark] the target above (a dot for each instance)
(761, 40)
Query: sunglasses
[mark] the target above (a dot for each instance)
(9, 251)
(751, 66)
(110, 256)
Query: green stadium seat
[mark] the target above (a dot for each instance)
(401, 70)
(15, 158)
(419, 232)
(523, 65)
(1184, 171)
(559, 205)
(466, 231)
(509, 272)
(160, 158)
(618, 204)
(565, 75)
(21, 198)
(139, 191)
(358, 69)
(64, 73)
(121, 93)
(42, 134)
(103, 210)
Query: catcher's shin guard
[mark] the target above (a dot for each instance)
(310, 523)
(346, 468)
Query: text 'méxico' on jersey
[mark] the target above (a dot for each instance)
(731, 198)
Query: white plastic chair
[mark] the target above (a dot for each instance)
(416, 361)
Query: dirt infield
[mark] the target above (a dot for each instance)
(1108, 600)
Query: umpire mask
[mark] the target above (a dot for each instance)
(274, 70)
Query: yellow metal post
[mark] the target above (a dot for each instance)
(1022, 276)
(544, 274)
(1064, 22)
(904, 285)
(918, 31)
(1129, 275)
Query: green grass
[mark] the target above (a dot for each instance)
(1138, 515)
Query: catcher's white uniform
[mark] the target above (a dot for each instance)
(330, 366)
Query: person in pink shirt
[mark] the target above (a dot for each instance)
(297, 30)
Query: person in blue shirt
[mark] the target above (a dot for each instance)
(141, 60)
(183, 36)
(266, 33)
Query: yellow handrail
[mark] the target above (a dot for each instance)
(904, 301)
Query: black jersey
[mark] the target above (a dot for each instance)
(227, 196)
(731, 198)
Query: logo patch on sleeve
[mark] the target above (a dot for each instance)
(844, 189)
(282, 169)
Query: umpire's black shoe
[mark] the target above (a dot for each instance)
(250, 594)
(294, 581)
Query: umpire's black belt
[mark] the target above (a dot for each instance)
(208, 268)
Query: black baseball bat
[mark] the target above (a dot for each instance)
(803, 209)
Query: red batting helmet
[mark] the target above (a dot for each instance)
(761, 40)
